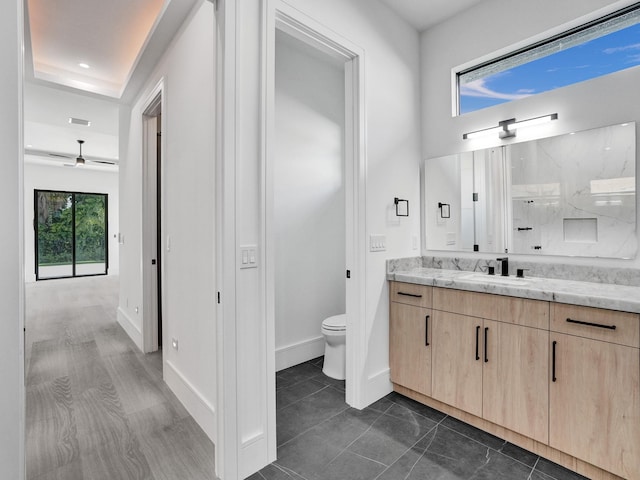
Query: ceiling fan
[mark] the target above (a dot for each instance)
(81, 161)
(80, 158)
(63, 156)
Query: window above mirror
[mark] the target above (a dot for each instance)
(601, 47)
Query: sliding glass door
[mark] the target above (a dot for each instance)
(70, 234)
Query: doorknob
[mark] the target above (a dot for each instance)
(153, 261)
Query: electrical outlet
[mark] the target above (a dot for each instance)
(377, 243)
(174, 343)
(136, 309)
(451, 238)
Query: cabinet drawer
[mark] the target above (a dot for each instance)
(411, 294)
(599, 324)
(518, 311)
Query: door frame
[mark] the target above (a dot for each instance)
(152, 107)
(238, 451)
(289, 20)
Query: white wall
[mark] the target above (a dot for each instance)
(445, 232)
(188, 214)
(41, 176)
(309, 203)
(497, 26)
(11, 281)
(392, 146)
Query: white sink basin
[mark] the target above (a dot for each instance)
(493, 279)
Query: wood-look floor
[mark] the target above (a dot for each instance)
(97, 408)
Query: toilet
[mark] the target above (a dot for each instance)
(334, 330)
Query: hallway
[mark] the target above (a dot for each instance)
(97, 408)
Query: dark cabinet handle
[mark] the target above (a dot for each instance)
(477, 342)
(553, 361)
(589, 324)
(486, 335)
(410, 295)
(426, 331)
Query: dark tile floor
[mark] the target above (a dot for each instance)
(321, 438)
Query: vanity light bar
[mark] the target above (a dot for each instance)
(532, 121)
(507, 128)
(482, 133)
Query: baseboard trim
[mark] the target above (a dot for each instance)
(299, 352)
(130, 328)
(378, 385)
(196, 404)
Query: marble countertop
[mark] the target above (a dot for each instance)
(601, 295)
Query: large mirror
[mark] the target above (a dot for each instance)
(571, 194)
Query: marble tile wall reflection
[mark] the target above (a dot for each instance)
(558, 181)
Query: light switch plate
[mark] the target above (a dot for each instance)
(377, 243)
(248, 257)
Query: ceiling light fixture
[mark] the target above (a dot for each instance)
(80, 158)
(84, 65)
(507, 128)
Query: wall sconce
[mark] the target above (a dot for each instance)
(445, 210)
(402, 207)
(507, 128)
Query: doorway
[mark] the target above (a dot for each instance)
(308, 198)
(152, 229)
(324, 45)
(71, 234)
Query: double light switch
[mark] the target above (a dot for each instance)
(248, 256)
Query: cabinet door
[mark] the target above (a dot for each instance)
(516, 378)
(594, 411)
(409, 349)
(457, 361)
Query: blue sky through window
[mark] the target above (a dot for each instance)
(597, 57)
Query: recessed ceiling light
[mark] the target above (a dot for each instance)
(84, 65)
(29, 146)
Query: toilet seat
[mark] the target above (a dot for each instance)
(337, 323)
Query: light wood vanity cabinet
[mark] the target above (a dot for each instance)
(494, 366)
(457, 368)
(556, 379)
(595, 387)
(516, 379)
(409, 336)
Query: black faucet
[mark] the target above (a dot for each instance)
(504, 269)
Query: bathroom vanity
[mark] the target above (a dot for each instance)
(550, 365)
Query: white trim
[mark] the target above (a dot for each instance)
(196, 404)
(299, 352)
(134, 332)
(266, 215)
(285, 17)
(378, 385)
(21, 247)
(228, 447)
(154, 104)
